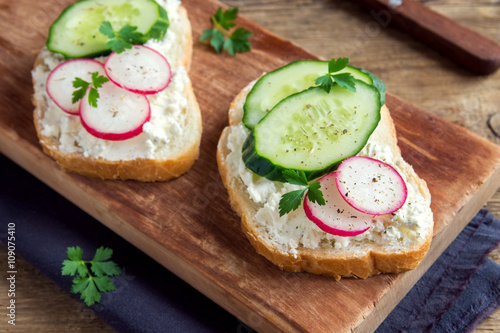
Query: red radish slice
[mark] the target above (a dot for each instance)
(371, 186)
(337, 217)
(139, 69)
(119, 114)
(60, 81)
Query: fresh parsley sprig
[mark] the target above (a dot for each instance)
(291, 201)
(90, 282)
(344, 80)
(81, 87)
(221, 37)
(123, 39)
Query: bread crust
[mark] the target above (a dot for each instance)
(142, 169)
(331, 262)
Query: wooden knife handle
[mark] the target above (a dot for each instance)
(477, 53)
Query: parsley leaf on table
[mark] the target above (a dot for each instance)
(344, 80)
(216, 38)
(81, 87)
(291, 201)
(225, 18)
(238, 42)
(90, 283)
(221, 37)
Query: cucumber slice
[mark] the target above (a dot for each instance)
(297, 76)
(313, 131)
(377, 83)
(75, 33)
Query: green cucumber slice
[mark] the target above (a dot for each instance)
(377, 83)
(75, 33)
(297, 76)
(313, 131)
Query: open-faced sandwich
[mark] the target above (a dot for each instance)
(112, 94)
(311, 164)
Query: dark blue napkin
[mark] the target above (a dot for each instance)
(456, 293)
(459, 290)
(148, 298)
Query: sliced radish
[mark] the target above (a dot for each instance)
(119, 114)
(337, 217)
(60, 81)
(371, 186)
(139, 69)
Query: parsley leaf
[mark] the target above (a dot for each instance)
(85, 283)
(130, 34)
(104, 283)
(291, 201)
(296, 177)
(82, 87)
(93, 96)
(221, 37)
(238, 42)
(98, 80)
(107, 29)
(75, 253)
(100, 266)
(225, 17)
(102, 254)
(325, 82)
(344, 80)
(90, 294)
(81, 90)
(337, 65)
(70, 267)
(315, 195)
(216, 38)
(123, 39)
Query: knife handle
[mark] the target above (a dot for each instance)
(475, 52)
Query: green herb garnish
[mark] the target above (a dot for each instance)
(90, 282)
(81, 87)
(344, 80)
(123, 39)
(221, 37)
(291, 201)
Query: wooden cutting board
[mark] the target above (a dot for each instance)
(187, 224)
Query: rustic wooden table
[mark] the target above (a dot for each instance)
(328, 28)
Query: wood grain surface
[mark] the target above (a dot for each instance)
(328, 29)
(453, 40)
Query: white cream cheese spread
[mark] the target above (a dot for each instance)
(294, 230)
(162, 136)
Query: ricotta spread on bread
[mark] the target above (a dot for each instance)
(294, 230)
(162, 136)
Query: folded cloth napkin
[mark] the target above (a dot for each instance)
(148, 298)
(459, 290)
(454, 295)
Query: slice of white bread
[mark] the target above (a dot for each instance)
(169, 144)
(395, 243)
